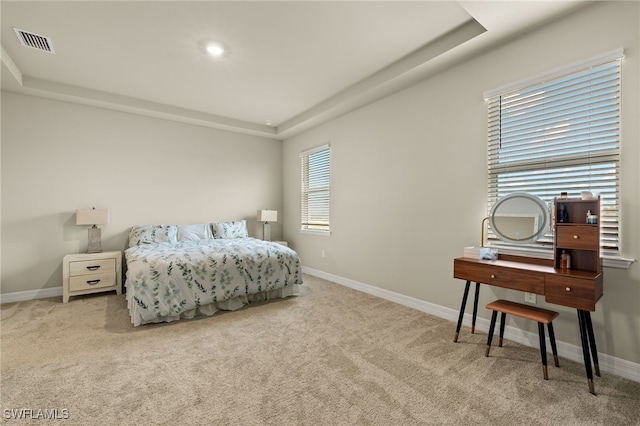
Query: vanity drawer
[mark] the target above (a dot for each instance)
(84, 267)
(517, 279)
(574, 292)
(92, 281)
(580, 237)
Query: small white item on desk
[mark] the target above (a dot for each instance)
(481, 253)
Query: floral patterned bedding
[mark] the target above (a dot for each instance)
(167, 281)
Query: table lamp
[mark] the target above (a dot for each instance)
(93, 217)
(267, 216)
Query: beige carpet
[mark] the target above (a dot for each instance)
(331, 356)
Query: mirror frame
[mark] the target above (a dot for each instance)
(543, 211)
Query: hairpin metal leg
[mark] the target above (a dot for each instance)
(475, 309)
(462, 307)
(492, 327)
(503, 321)
(543, 351)
(554, 348)
(585, 349)
(592, 342)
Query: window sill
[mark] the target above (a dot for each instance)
(617, 262)
(315, 232)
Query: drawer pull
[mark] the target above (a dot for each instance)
(567, 289)
(575, 237)
(93, 282)
(93, 268)
(493, 276)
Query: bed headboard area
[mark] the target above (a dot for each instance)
(151, 234)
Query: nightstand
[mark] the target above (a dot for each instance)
(87, 273)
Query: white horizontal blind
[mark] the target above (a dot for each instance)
(561, 135)
(315, 179)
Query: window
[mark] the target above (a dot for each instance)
(560, 132)
(315, 174)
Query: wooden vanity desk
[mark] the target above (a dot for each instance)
(577, 289)
(579, 286)
(573, 278)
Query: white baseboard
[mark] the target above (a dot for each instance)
(21, 296)
(616, 366)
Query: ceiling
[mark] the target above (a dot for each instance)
(294, 64)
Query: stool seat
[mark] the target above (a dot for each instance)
(534, 313)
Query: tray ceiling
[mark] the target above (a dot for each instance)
(293, 64)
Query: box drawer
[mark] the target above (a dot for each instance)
(92, 281)
(84, 267)
(517, 279)
(580, 237)
(573, 292)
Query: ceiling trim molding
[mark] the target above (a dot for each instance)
(138, 106)
(393, 78)
(11, 66)
(83, 96)
(376, 86)
(79, 95)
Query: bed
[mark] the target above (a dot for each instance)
(176, 272)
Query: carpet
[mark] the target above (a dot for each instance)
(331, 356)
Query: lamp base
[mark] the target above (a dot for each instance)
(266, 231)
(95, 240)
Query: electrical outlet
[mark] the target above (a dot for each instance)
(323, 254)
(530, 297)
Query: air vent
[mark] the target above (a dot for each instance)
(35, 41)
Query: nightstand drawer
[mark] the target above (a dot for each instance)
(91, 281)
(86, 273)
(581, 237)
(85, 267)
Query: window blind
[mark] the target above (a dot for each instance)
(315, 189)
(560, 135)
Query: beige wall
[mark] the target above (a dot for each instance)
(409, 176)
(58, 157)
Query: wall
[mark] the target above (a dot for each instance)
(409, 177)
(58, 157)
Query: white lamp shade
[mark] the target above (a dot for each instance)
(267, 215)
(92, 217)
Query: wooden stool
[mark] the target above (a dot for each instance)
(541, 316)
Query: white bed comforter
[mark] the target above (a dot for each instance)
(169, 281)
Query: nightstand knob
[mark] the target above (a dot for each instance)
(493, 276)
(93, 268)
(575, 237)
(567, 289)
(93, 282)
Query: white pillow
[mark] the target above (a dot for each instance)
(149, 234)
(234, 229)
(200, 231)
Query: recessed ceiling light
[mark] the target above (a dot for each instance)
(268, 122)
(215, 49)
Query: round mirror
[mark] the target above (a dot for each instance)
(519, 217)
